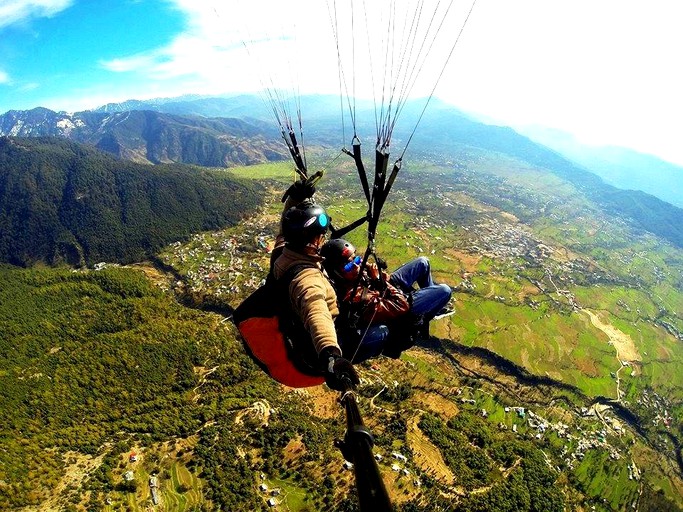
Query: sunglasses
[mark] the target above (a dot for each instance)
(350, 264)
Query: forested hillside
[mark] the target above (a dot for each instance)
(65, 202)
(109, 364)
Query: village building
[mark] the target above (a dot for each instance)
(155, 495)
(399, 456)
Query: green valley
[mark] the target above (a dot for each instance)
(557, 385)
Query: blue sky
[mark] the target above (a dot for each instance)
(53, 53)
(607, 71)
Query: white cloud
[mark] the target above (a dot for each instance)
(4, 77)
(133, 63)
(605, 71)
(31, 86)
(210, 54)
(252, 44)
(14, 11)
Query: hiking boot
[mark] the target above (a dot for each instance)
(444, 312)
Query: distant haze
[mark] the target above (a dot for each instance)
(623, 168)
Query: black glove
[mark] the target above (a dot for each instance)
(299, 191)
(336, 369)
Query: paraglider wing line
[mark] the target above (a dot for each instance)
(343, 87)
(443, 69)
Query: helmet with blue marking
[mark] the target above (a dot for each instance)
(303, 223)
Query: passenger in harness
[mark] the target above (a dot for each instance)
(389, 311)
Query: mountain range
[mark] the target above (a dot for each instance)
(183, 130)
(148, 136)
(621, 167)
(156, 138)
(171, 132)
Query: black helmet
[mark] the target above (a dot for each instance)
(337, 253)
(302, 223)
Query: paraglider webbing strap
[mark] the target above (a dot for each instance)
(382, 278)
(380, 190)
(339, 233)
(360, 167)
(300, 348)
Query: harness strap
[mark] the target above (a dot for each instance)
(298, 341)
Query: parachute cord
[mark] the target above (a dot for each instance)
(353, 65)
(296, 92)
(413, 70)
(335, 32)
(443, 69)
(387, 123)
(301, 131)
(343, 87)
(353, 357)
(269, 99)
(405, 50)
(372, 67)
(280, 106)
(326, 166)
(387, 46)
(410, 76)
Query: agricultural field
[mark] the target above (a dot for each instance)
(553, 285)
(524, 290)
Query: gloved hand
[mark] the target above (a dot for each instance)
(299, 191)
(336, 369)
